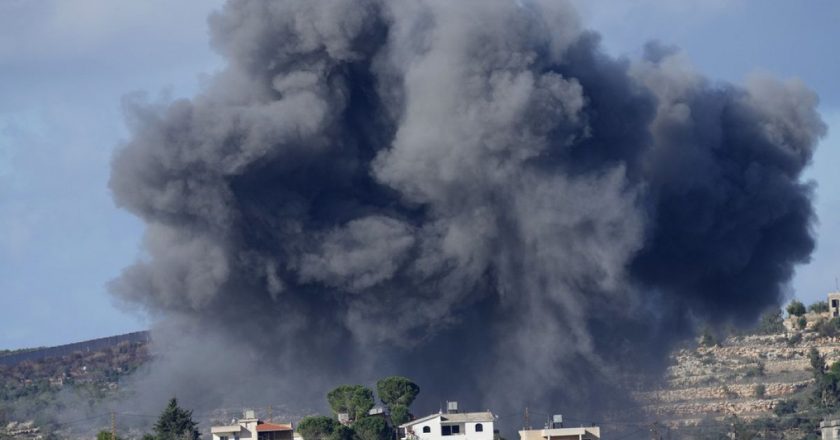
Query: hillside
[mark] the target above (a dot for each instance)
(762, 382)
(34, 383)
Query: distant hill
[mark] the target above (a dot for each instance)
(33, 381)
(9, 358)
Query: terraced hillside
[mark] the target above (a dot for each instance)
(764, 378)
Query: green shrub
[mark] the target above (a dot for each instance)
(372, 428)
(818, 307)
(760, 391)
(796, 308)
(316, 427)
(802, 322)
(784, 407)
(828, 328)
(771, 323)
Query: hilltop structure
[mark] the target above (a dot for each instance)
(834, 304)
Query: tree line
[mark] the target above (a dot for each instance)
(397, 393)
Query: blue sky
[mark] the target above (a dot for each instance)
(65, 65)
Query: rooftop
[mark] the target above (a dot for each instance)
(270, 427)
(485, 416)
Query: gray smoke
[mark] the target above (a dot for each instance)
(470, 193)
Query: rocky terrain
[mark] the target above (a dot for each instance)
(743, 376)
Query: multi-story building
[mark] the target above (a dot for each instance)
(452, 425)
(582, 433)
(252, 428)
(556, 431)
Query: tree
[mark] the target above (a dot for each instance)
(175, 423)
(771, 323)
(400, 415)
(818, 307)
(397, 390)
(106, 435)
(796, 308)
(355, 400)
(372, 428)
(817, 362)
(317, 427)
(342, 432)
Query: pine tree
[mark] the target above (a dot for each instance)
(175, 423)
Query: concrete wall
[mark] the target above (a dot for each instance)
(467, 430)
(834, 304)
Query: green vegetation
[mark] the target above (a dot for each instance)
(796, 308)
(771, 323)
(372, 428)
(818, 307)
(397, 390)
(30, 389)
(106, 435)
(400, 414)
(354, 400)
(828, 328)
(397, 393)
(175, 423)
(317, 427)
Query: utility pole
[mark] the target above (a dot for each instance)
(269, 413)
(113, 426)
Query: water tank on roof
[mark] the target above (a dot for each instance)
(451, 407)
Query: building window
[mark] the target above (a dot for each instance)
(479, 427)
(223, 437)
(445, 430)
(426, 430)
(456, 429)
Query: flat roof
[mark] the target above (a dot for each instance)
(485, 416)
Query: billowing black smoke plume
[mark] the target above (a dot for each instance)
(470, 193)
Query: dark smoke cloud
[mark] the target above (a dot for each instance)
(471, 193)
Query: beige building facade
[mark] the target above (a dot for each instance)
(834, 304)
(582, 433)
(251, 428)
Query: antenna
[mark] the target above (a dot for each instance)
(836, 285)
(527, 419)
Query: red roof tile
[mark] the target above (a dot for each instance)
(268, 427)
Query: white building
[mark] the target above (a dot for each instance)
(582, 433)
(451, 425)
(252, 428)
(830, 429)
